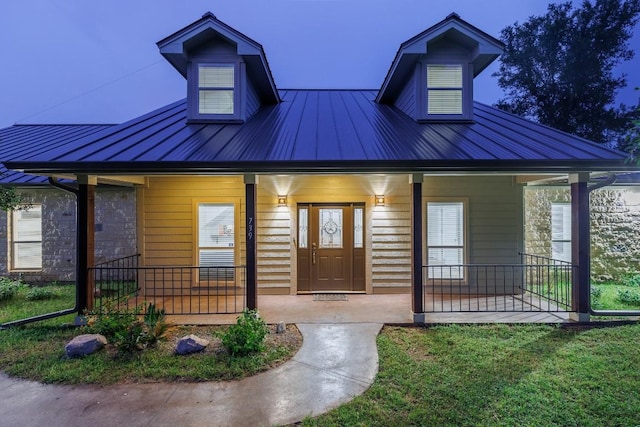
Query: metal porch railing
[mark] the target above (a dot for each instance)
(177, 289)
(536, 285)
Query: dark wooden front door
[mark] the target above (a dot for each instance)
(330, 248)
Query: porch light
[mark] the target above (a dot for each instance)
(282, 200)
(379, 200)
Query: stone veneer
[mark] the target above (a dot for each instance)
(115, 234)
(615, 228)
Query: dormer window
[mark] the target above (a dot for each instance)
(214, 91)
(444, 89)
(216, 88)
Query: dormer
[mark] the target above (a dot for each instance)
(431, 77)
(228, 77)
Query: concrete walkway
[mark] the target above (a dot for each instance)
(336, 363)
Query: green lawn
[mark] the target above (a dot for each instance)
(500, 375)
(20, 307)
(607, 297)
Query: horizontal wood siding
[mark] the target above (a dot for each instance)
(252, 100)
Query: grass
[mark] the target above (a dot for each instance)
(500, 375)
(24, 305)
(609, 297)
(36, 352)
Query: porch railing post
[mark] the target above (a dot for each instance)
(250, 182)
(580, 245)
(417, 291)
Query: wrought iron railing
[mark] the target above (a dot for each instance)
(497, 287)
(179, 290)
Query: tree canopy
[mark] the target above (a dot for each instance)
(558, 68)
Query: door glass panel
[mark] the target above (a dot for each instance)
(358, 228)
(303, 228)
(330, 228)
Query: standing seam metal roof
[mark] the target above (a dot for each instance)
(313, 130)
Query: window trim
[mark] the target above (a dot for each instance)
(466, 88)
(12, 240)
(565, 206)
(237, 231)
(193, 90)
(465, 236)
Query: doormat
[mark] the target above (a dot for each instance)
(330, 297)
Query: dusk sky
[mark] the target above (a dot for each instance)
(82, 61)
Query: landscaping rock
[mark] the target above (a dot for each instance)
(281, 328)
(83, 345)
(191, 344)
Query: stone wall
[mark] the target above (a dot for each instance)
(115, 231)
(615, 227)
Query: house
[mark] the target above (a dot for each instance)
(245, 190)
(39, 244)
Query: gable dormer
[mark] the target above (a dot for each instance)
(431, 77)
(228, 77)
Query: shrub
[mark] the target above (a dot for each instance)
(110, 320)
(39, 294)
(628, 296)
(596, 296)
(155, 326)
(631, 280)
(247, 335)
(9, 288)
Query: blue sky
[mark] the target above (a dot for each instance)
(82, 61)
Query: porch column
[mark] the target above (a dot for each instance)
(416, 248)
(250, 182)
(580, 246)
(85, 242)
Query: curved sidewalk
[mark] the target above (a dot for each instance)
(335, 363)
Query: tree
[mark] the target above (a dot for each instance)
(558, 69)
(632, 138)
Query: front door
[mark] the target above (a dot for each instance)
(331, 248)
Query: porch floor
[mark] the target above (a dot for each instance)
(388, 309)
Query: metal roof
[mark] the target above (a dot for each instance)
(34, 139)
(316, 131)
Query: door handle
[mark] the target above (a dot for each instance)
(313, 253)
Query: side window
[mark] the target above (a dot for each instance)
(216, 241)
(445, 240)
(26, 239)
(561, 231)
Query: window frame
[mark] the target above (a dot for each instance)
(14, 239)
(466, 88)
(194, 88)
(566, 206)
(196, 235)
(464, 280)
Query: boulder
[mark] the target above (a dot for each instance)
(281, 328)
(190, 344)
(83, 345)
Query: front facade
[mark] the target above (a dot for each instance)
(412, 188)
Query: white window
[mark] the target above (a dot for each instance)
(26, 239)
(216, 241)
(444, 89)
(445, 240)
(561, 231)
(216, 87)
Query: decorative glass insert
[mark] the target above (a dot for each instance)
(27, 238)
(445, 240)
(561, 231)
(303, 228)
(358, 228)
(216, 89)
(444, 89)
(330, 228)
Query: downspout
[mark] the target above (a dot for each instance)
(611, 179)
(69, 189)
